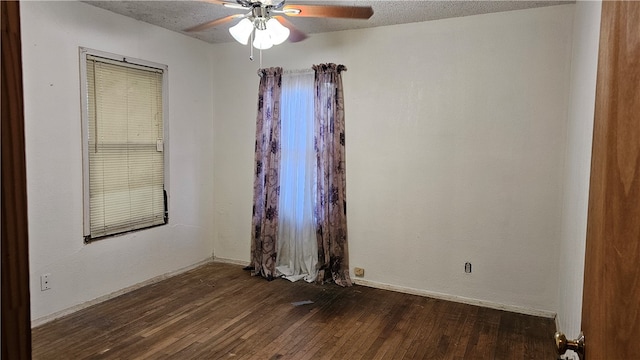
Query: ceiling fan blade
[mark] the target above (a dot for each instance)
(230, 4)
(213, 23)
(221, 2)
(295, 34)
(332, 11)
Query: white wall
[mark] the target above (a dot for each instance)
(51, 35)
(455, 147)
(584, 62)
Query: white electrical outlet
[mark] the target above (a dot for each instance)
(45, 282)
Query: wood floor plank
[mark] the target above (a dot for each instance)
(484, 337)
(218, 311)
(421, 312)
(420, 343)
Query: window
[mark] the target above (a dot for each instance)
(297, 247)
(124, 144)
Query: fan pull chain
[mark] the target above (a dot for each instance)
(251, 51)
(251, 47)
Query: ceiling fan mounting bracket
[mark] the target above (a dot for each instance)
(260, 12)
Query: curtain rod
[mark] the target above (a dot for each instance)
(298, 71)
(294, 71)
(340, 68)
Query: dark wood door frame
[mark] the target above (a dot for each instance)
(16, 318)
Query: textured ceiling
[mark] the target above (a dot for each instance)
(179, 15)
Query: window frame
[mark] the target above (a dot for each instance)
(84, 101)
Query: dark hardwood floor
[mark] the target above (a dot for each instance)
(218, 311)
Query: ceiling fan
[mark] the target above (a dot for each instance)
(265, 20)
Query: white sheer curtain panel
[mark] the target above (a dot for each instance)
(297, 245)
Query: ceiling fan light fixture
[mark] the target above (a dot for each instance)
(277, 31)
(262, 40)
(242, 31)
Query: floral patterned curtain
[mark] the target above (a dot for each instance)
(331, 205)
(266, 183)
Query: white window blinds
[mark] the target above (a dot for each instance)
(125, 147)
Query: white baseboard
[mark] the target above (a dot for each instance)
(45, 319)
(231, 261)
(455, 298)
